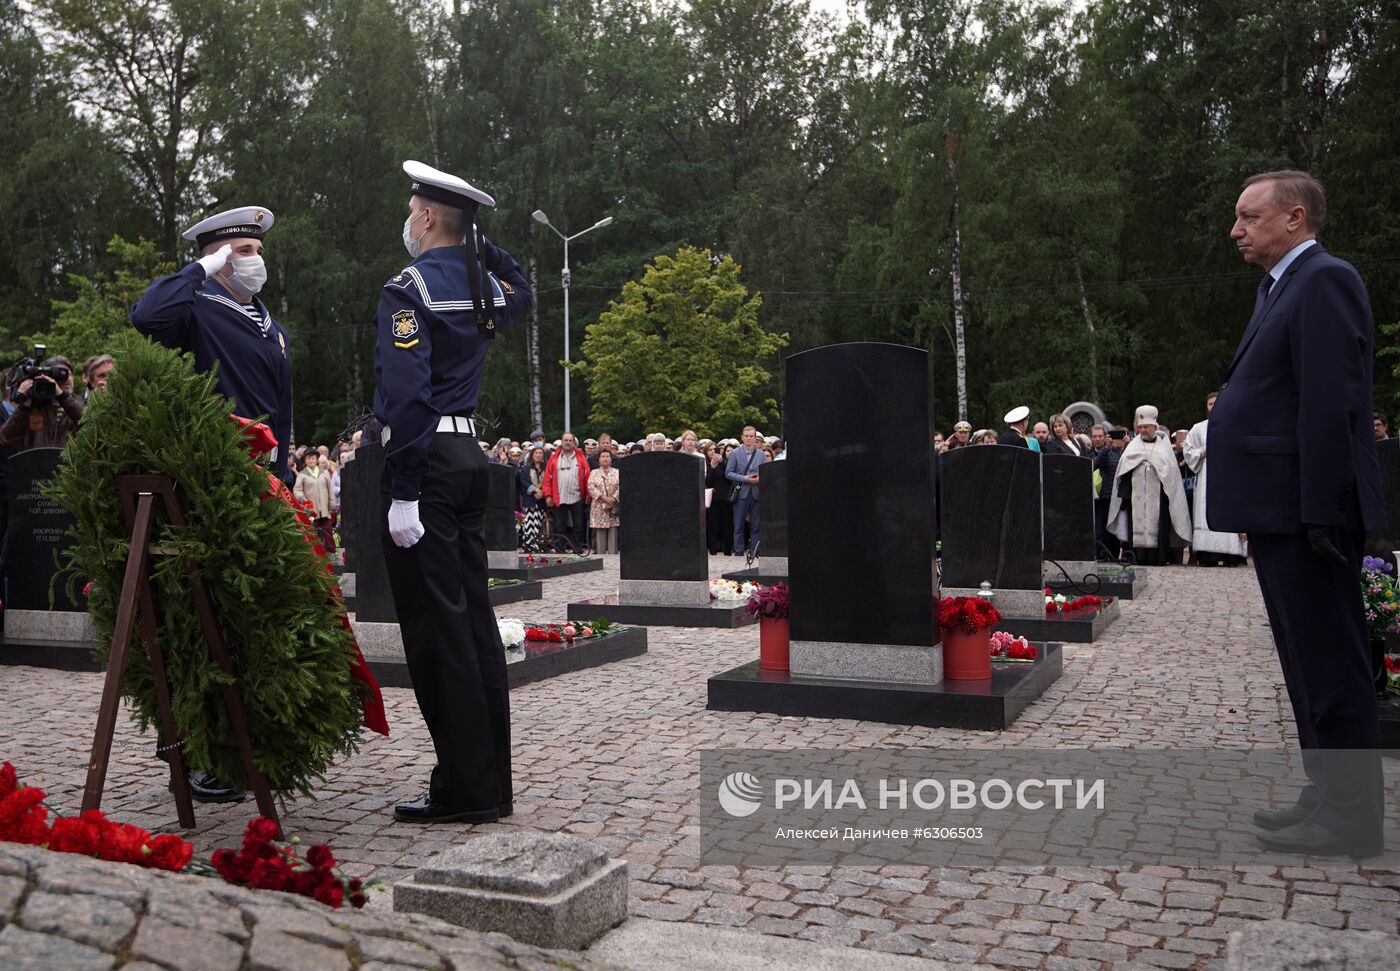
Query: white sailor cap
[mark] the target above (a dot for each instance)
(1019, 413)
(963, 426)
(250, 221)
(430, 183)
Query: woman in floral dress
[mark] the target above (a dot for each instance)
(603, 515)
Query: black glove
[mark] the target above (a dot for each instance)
(1323, 540)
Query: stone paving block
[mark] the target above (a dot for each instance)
(161, 942)
(11, 889)
(22, 950)
(1277, 944)
(83, 917)
(273, 950)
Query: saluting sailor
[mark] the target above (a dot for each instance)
(432, 332)
(211, 309)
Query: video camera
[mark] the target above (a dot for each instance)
(31, 368)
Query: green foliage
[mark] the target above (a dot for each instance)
(272, 596)
(101, 309)
(681, 349)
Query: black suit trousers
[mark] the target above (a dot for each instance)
(1323, 646)
(450, 638)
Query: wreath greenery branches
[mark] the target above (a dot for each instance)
(273, 598)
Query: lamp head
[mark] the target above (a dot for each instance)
(539, 216)
(605, 221)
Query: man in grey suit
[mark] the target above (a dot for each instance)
(742, 470)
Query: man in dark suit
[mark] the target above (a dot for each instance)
(1293, 463)
(1015, 433)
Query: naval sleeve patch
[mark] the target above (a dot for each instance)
(405, 324)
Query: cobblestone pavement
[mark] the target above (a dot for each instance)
(609, 754)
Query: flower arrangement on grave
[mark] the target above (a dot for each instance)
(731, 591)
(769, 602)
(1009, 649)
(1392, 674)
(25, 819)
(261, 863)
(966, 615)
(272, 594)
(494, 583)
(570, 631)
(1058, 603)
(1380, 596)
(264, 864)
(512, 631)
(532, 559)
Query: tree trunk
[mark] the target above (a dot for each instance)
(959, 332)
(532, 351)
(1088, 322)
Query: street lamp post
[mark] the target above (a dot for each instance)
(539, 217)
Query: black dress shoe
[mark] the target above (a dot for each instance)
(207, 788)
(1314, 839)
(1282, 818)
(425, 810)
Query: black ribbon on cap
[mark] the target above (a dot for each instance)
(251, 230)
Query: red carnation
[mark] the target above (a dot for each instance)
(320, 857)
(170, 852)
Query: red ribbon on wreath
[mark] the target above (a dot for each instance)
(260, 440)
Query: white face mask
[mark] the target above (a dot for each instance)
(249, 275)
(414, 246)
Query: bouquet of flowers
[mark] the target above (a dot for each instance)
(967, 615)
(512, 631)
(263, 864)
(730, 591)
(568, 632)
(1057, 603)
(1392, 673)
(770, 602)
(1380, 596)
(1012, 649)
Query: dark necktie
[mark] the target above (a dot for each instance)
(1264, 286)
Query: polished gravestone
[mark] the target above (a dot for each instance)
(1067, 492)
(663, 564)
(364, 508)
(1384, 543)
(864, 637)
(36, 536)
(504, 561)
(771, 563)
(992, 527)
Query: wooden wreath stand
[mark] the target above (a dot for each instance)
(139, 494)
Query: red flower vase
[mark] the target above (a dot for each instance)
(967, 657)
(773, 643)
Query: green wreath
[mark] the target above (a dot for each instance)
(272, 596)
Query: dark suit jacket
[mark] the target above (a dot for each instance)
(1012, 437)
(1290, 439)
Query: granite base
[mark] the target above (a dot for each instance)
(520, 570)
(535, 661)
(1011, 603)
(990, 705)
(669, 593)
(660, 615)
(67, 626)
(756, 575)
(58, 655)
(1079, 627)
(896, 663)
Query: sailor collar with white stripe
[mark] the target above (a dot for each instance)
(411, 274)
(254, 311)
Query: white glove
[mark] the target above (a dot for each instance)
(216, 260)
(404, 527)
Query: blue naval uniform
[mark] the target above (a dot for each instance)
(187, 312)
(429, 353)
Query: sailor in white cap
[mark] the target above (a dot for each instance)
(434, 325)
(961, 437)
(210, 308)
(1015, 433)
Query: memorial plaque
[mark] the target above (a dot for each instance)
(662, 516)
(363, 509)
(772, 508)
(36, 530)
(991, 519)
(501, 533)
(1068, 490)
(1384, 543)
(860, 542)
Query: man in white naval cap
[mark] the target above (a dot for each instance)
(434, 325)
(1015, 433)
(211, 309)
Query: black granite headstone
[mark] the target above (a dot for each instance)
(363, 508)
(860, 540)
(37, 530)
(1068, 489)
(991, 517)
(773, 508)
(501, 533)
(1384, 543)
(662, 517)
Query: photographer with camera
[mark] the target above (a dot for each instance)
(46, 410)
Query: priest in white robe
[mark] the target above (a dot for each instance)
(1148, 510)
(1208, 547)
